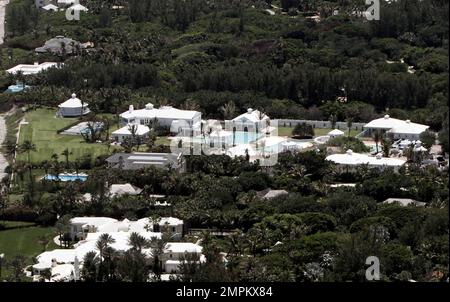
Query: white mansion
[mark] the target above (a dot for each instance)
(177, 120)
(398, 129)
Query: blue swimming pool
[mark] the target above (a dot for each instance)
(66, 177)
(241, 137)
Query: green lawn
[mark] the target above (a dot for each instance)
(24, 241)
(15, 224)
(42, 131)
(287, 131)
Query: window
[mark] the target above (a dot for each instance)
(170, 256)
(173, 229)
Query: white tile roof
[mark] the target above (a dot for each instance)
(183, 247)
(404, 201)
(172, 221)
(78, 7)
(60, 255)
(140, 130)
(336, 132)
(252, 116)
(396, 126)
(351, 158)
(274, 193)
(121, 189)
(94, 221)
(73, 102)
(28, 69)
(62, 272)
(165, 112)
(67, 1)
(50, 7)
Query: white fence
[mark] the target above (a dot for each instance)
(318, 124)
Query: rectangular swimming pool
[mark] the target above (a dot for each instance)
(66, 177)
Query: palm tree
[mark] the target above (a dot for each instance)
(349, 125)
(27, 147)
(333, 120)
(228, 110)
(138, 242)
(90, 267)
(157, 250)
(66, 153)
(46, 165)
(377, 136)
(105, 252)
(387, 144)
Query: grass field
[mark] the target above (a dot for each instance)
(24, 241)
(287, 131)
(42, 130)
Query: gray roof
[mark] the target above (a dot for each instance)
(139, 160)
(55, 45)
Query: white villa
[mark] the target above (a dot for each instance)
(179, 121)
(65, 263)
(140, 131)
(73, 107)
(350, 161)
(174, 251)
(251, 121)
(81, 227)
(399, 129)
(28, 69)
(171, 225)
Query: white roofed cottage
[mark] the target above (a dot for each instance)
(130, 130)
(253, 120)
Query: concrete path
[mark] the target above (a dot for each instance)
(3, 4)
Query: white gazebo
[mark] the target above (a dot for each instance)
(78, 7)
(335, 133)
(73, 107)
